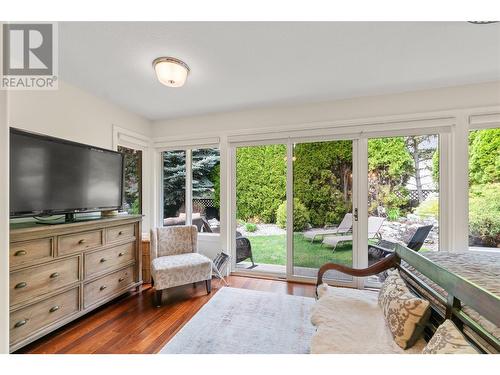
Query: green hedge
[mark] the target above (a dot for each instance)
(484, 214)
(260, 182)
(484, 159)
(322, 180)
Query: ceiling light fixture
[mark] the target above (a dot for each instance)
(482, 22)
(170, 71)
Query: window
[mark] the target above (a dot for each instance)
(191, 188)
(206, 189)
(261, 208)
(403, 191)
(484, 189)
(132, 197)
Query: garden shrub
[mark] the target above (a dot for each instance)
(250, 227)
(429, 207)
(300, 215)
(393, 214)
(484, 214)
(136, 208)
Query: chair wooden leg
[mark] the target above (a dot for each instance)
(209, 286)
(158, 297)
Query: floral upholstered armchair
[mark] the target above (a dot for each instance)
(175, 260)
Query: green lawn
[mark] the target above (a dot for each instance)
(272, 250)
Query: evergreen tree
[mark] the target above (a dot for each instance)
(204, 162)
(421, 149)
(174, 182)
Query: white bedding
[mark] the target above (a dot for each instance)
(351, 321)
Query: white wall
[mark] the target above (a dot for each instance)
(460, 97)
(74, 114)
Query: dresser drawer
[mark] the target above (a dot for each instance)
(36, 281)
(73, 243)
(119, 233)
(29, 320)
(107, 286)
(30, 251)
(109, 259)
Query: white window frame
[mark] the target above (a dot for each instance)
(135, 141)
(188, 148)
(443, 126)
(452, 125)
(478, 121)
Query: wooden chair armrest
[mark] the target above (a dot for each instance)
(382, 265)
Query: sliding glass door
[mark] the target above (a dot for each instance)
(260, 214)
(323, 217)
(296, 204)
(403, 194)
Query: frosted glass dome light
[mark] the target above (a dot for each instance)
(170, 71)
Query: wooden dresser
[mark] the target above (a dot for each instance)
(61, 272)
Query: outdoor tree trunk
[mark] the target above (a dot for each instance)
(416, 161)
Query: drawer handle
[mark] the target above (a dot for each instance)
(121, 254)
(82, 241)
(21, 285)
(20, 323)
(54, 309)
(121, 279)
(120, 233)
(54, 275)
(103, 287)
(20, 253)
(102, 260)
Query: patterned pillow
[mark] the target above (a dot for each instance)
(393, 286)
(448, 340)
(405, 314)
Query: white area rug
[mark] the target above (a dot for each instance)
(241, 321)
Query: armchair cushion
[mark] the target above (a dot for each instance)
(174, 240)
(180, 269)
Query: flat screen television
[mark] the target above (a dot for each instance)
(52, 176)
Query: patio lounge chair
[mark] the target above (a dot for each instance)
(374, 225)
(384, 247)
(344, 227)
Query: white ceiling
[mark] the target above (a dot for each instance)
(252, 64)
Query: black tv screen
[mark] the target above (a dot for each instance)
(54, 176)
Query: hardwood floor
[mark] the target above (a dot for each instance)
(132, 324)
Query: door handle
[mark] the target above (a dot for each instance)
(355, 214)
